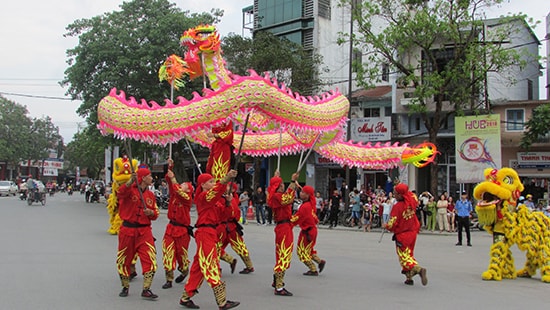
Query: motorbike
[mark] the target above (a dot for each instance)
(36, 196)
(70, 191)
(162, 201)
(23, 195)
(94, 197)
(51, 191)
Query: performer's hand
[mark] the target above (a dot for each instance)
(170, 163)
(232, 173)
(148, 212)
(277, 173)
(295, 176)
(170, 174)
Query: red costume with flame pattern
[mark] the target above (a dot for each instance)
(135, 235)
(219, 160)
(405, 226)
(178, 231)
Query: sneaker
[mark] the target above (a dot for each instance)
(180, 278)
(133, 275)
(188, 304)
(124, 292)
(233, 265)
(247, 270)
(322, 265)
(409, 282)
(230, 304)
(168, 284)
(311, 273)
(423, 276)
(283, 292)
(148, 294)
(458, 243)
(469, 244)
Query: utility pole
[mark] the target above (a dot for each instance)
(350, 84)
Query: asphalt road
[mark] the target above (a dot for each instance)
(60, 256)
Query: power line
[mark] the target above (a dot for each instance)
(35, 96)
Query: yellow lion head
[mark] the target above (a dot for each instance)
(499, 192)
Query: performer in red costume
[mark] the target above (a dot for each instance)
(280, 200)
(306, 218)
(234, 232)
(405, 227)
(221, 151)
(137, 208)
(179, 230)
(206, 261)
(224, 212)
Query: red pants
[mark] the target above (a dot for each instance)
(306, 244)
(132, 241)
(284, 245)
(404, 246)
(174, 248)
(206, 263)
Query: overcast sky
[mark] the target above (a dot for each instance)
(33, 58)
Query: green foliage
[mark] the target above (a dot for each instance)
(23, 138)
(286, 61)
(536, 127)
(123, 49)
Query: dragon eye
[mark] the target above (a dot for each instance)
(508, 180)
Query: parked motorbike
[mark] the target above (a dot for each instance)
(162, 201)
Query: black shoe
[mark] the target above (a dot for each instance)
(469, 244)
(283, 292)
(148, 294)
(322, 265)
(247, 270)
(189, 304)
(133, 275)
(180, 278)
(124, 292)
(409, 282)
(458, 243)
(230, 304)
(233, 265)
(168, 284)
(311, 273)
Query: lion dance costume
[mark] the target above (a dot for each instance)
(497, 212)
(405, 227)
(121, 174)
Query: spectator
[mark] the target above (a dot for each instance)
(442, 222)
(367, 214)
(244, 200)
(451, 213)
(335, 200)
(386, 205)
(547, 211)
(259, 199)
(338, 181)
(379, 191)
(319, 205)
(355, 202)
(424, 198)
(529, 202)
(430, 212)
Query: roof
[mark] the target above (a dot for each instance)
(378, 92)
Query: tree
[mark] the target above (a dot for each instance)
(286, 61)
(124, 49)
(413, 36)
(536, 127)
(15, 134)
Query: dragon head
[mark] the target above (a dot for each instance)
(203, 38)
(499, 192)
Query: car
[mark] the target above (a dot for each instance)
(8, 188)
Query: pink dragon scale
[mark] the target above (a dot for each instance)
(279, 120)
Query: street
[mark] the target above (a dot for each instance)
(60, 256)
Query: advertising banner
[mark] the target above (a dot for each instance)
(368, 129)
(477, 140)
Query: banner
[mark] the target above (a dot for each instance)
(534, 160)
(370, 129)
(477, 140)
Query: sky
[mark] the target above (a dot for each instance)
(33, 49)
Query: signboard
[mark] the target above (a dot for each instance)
(367, 129)
(48, 163)
(324, 162)
(49, 172)
(477, 140)
(534, 160)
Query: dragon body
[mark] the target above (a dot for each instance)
(278, 120)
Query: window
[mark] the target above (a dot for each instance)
(385, 72)
(357, 60)
(324, 8)
(514, 120)
(371, 112)
(529, 90)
